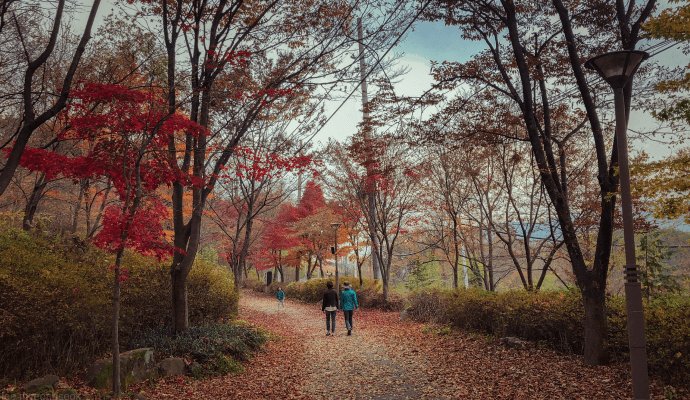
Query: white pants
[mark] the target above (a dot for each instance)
(281, 304)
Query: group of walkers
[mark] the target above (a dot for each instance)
(330, 304)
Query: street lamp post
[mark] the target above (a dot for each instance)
(335, 254)
(617, 68)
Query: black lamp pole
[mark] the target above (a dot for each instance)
(617, 68)
(335, 254)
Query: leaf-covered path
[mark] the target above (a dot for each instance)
(388, 359)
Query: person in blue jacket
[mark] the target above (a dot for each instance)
(280, 295)
(348, 302)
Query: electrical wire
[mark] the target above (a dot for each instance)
(421, 10)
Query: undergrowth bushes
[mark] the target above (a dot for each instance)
(668, 336)
(253, 283)
(55, 301)
(556, 318)
(217, 347)
(369, 295)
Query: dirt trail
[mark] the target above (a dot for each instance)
(368, 365)
(388, 359)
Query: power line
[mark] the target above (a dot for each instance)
(372, 69)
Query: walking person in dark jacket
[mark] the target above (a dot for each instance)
(329, 305)
(348, 302)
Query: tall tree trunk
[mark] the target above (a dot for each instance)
(385, 277)
(91, 229)
(115, 323)
(592, 281)
(596, 343)
(179, 300)
(34, 199)
(311, 266)
(385, 271)
(547, 264)
(245, 247)
(456, 248)
(492, 281)
(129, 209)
(77, 207)
(31, 122)
(485, 275)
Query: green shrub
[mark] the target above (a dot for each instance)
(553, 317)
(310, 291)
(55, 301)
(223, 365)
(368, 296)
(53, 310)
(253, 283)
(146, 295)
(213, 296)
(204, 343)
(557, 319)
(667, 320)
(429, 305)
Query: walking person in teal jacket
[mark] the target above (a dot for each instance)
(348, 302)
(280, 295)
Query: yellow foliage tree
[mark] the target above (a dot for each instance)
(673, 24)
(665, 184)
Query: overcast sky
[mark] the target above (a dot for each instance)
(428, 41)
(437, 42)
(434, 41)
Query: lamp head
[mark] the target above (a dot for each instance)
(617, 67)
(335, 224)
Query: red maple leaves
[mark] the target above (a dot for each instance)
(123, 136)
(258, 165)
(284, 243)
(145, 232)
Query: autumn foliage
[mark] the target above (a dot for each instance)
(180, 137)
(125, 132)
(56, 301)
(299, 233)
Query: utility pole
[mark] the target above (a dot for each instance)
(299, 178)
(371, 195)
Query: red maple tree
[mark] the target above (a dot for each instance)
(126, 130)
(254, 176)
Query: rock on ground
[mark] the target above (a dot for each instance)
(37, 385)
(135, 366)
(514, 342)
(171, 366)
